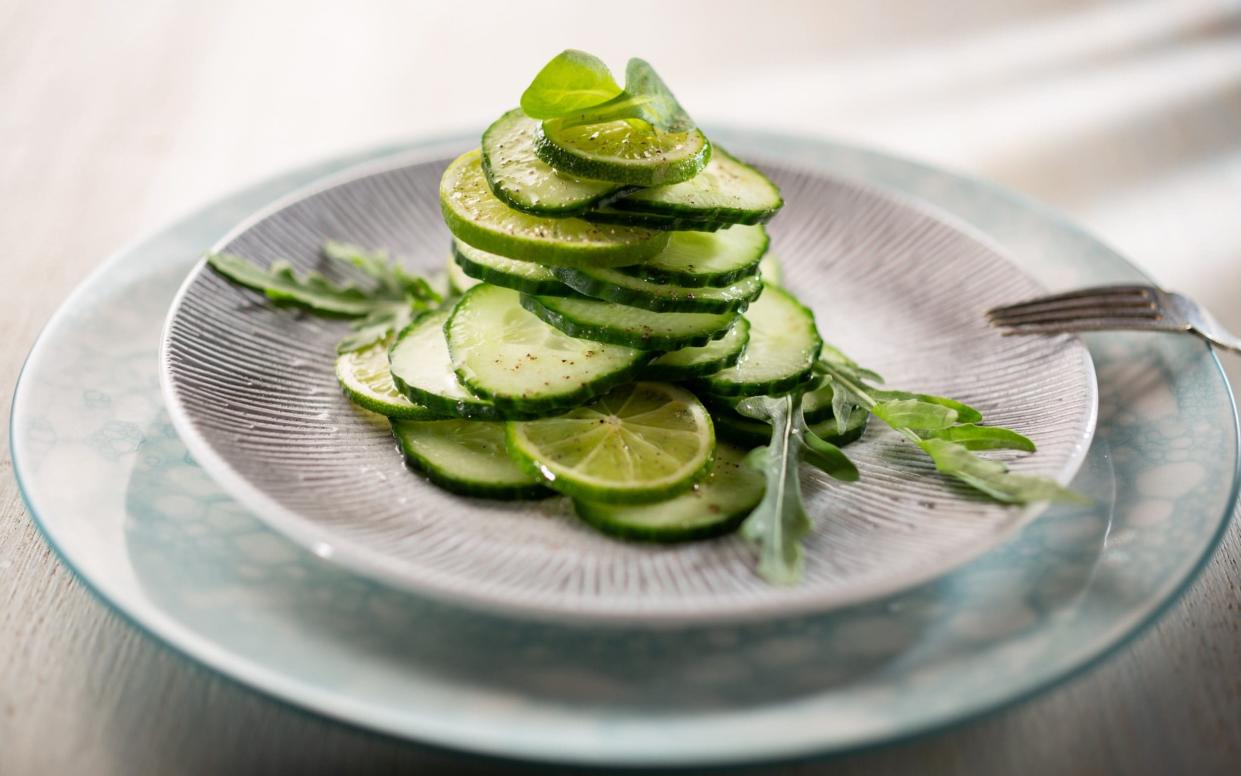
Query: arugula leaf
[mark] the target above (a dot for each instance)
(974, 437)
(378, 312)
(571, 82)
(779, 522)
(391, 276)
(964, 412)
(944, 428)
(578, 89)
(915, 414)
(378, 324)
(282, 285)
(827, 457)
(993, 477)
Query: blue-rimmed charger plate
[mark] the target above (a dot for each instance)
(114, 491)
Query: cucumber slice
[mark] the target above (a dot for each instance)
(642, 442)
(816, 405)
(771, 270)
(613, 285)
(726, 190)
(525, 276)
(784, 344)
(525, 182)
(622, 152)
(421, 368)
(619, 324)
(706, 258)
(605, 214)
(749, 432)
(465, 456)
(522, 364)
(365, 378)
(716, 506)
(703, 360)
(458, 281)
(475, 216)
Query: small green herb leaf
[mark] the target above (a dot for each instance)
(965, 413)
(392, 278)
(378, 312)
(282, 285)
(992, 477)
(915, 414)
(828, 457)
(974, 437)
(779, 522)
(571, 82)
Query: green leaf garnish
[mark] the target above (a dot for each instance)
(577, 89)
(915, 414)
(779, 522)
(379, 312)
(945, 429)
(992, 477)
(975, 437)
(571, 82)
(281, 284)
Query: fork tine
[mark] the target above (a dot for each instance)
(1099, 294)
(1069, 311)
(1092, 324)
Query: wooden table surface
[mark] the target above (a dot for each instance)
(118, 116)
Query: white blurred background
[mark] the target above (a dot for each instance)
(119, 115)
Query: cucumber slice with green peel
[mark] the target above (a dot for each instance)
(640, 443)
(633, 327)
(613, 285)
(784, 344)
(771, 270)
(687, 363)
(525, 182)
(750, 433)
(526, 276)
(816, 405)
(622, 152)
(467, 457)
(605, 214)
(706, 258)
(507, 355)
(726, 190)
(458, 281)
(365, 378)
(475, 216)
(421, 368)
(714, 507)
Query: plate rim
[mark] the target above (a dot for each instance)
(357, 558)
(198, 649)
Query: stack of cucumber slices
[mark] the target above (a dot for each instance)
(612, 300)
(613, 311)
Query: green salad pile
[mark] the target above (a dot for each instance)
(615, 330)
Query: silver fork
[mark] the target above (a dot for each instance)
(1113, 308)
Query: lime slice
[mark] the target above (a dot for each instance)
(365, 378)
(713, 507)
(640, 443)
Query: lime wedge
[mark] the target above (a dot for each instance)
(640, 443)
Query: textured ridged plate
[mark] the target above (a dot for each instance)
(899, 286)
